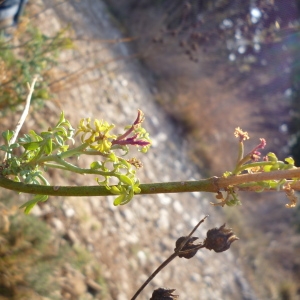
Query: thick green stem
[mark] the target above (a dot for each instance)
(213, 184)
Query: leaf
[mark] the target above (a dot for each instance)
(290, 161)
(119, 200)
(35, 135)
(272, 157)
(48, 147)
(128, 198)
(25, 139)
(59, 139)
(5, 148)
(61, 119)
(112, 157)
(125, 179)
(32, 146)
(15, 145)
(227, 174)
(267, 168)
(95, 165)
(7, 135)
(115, 190)
(31, 203)
(136, 190)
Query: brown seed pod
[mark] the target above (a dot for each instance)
(219, 239)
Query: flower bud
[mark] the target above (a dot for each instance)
(163, 294)
(219, 239)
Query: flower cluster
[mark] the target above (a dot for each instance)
(100, 138)
(139, 136)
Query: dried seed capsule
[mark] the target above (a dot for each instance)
(189, 249)
(219, 239)
(163, 294)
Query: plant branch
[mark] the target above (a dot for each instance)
(164, 264)
(213, 184)
(169, 259)
(25, 112)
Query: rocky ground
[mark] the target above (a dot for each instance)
(128, 243)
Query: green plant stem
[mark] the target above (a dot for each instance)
(213, 184)
(240, 153)
(72, 168)
(72, 152)
(253, 165)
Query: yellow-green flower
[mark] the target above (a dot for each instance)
(98, 136)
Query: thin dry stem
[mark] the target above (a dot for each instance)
(25, 112)
(168, 260)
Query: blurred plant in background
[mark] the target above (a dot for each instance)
(31, 52)
(31, 262)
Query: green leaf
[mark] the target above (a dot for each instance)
(6, 148)
(32, 146)
(267, 168)
(31, 203)
(15, 145)
(119, 200)
(227, 174)
(48, 146)
(136, 190)
(61, 119)
(59, 139)
(95, 165)
(115, 190)
(290, 161)
(272, 157)
(35, 135)
(112, 157)
(125, 179)
(25, 139)
(7, 135)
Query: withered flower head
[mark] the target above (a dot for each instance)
(135, 162)
(242, 135)
(189, 249)
(163, 294)
(219, 239)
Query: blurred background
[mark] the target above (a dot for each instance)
(211, 66)
(221, 64)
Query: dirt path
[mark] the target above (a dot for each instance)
(130, 242)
